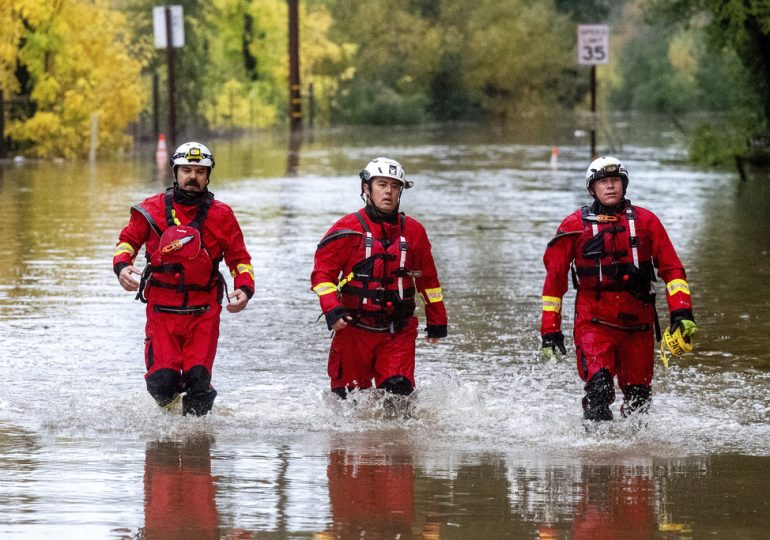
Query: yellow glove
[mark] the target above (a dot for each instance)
(688, 328)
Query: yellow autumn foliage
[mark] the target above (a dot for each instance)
(79, 60)
(13, 14)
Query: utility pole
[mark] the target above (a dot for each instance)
(155, 103)
(170, 63)
(295, 95)
(593, 112)
(168, 28)
(3, 149)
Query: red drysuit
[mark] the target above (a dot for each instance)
(185, 244)
(372, 269)
(615, 257)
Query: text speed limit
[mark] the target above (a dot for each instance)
(593, 44)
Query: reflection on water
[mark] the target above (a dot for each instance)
(370, 495)
(494, 447)
(179, 490)
(361, 487)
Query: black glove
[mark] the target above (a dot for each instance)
(551, 342)
(679, 315)
(554, 340)
(332, 316)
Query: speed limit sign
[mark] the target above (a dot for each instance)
(593, 44)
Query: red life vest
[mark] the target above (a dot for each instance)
(379, 291)
(180, 272)
(611, 257)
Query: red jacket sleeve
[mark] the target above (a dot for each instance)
(557, 259)
(670, 268)
(427, 283)
(130, 241)
(235, 254)
(332, 253)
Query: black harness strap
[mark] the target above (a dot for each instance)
(197, 222)
(560, 235)
(379, 295)
(363, 223)
(169, 205)
(154, 226)
(336, 235)
(368, 244)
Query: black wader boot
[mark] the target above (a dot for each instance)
(600, 393)
(164, 386)
(200, 395)
(637, 398)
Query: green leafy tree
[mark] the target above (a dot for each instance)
(588, 11)
(455, 58)
(395, 52)
(649, 82)
(741, 25)
(514, 53)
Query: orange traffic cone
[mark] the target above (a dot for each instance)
(554, 158)
(161, 153)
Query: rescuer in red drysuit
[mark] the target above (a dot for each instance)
(368, 269)
(612, 249)
(187, 233)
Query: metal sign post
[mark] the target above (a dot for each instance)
(593, 49)
(168, 29)
(295, 95)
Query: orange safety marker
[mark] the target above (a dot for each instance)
(161, 153)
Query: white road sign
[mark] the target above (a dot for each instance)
(593, 44)
(159, 26)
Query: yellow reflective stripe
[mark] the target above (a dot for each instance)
(176, 219)
(347, 278)
(552, 303)
(677, 285)
(243, 268)
(327, 287)
(434, 295)
(124, 247)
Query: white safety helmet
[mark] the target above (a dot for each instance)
(386, 168)
(192, 153)
(605, 167)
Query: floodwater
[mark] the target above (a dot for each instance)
(494, 447)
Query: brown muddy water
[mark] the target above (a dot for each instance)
(495, 446)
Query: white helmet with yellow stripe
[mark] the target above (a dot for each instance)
(192, 153)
